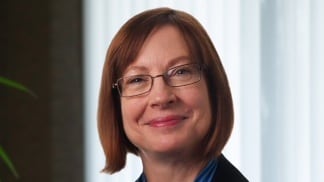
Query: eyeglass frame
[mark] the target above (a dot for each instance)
(164, 76)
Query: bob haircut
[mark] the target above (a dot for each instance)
(124, 49)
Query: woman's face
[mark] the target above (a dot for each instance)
(166, 119)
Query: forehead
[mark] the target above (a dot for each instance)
(164, 47)
(177, 61)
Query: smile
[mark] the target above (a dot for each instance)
(167, 121)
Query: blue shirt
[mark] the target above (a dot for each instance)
(206, 175)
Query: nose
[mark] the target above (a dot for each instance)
(161, 95)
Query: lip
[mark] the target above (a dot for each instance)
(166, 121)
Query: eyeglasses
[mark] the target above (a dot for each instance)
(178, 76)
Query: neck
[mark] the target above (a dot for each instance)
(177, 167)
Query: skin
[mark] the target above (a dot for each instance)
(168, 123)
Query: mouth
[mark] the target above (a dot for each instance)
(167, 121)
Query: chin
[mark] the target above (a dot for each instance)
(168, 148)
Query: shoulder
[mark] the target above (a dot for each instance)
(227, 172)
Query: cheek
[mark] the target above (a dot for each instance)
(131, 111)
(200, 103)
(199, 98)
(128, 114)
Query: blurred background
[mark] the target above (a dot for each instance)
(272, 51)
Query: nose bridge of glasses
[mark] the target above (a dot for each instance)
(164, 78)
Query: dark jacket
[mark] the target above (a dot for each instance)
(226, 172)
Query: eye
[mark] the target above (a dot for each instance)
(135, 80)
(183, 71)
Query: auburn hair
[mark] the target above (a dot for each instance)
(124, 49)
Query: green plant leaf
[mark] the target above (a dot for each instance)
(16, 85)
(8, 162)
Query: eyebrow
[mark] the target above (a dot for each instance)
(170, 64)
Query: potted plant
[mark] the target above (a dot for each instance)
(4, 157)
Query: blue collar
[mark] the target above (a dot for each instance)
(206, 175)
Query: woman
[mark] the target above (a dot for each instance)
(165, 97)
